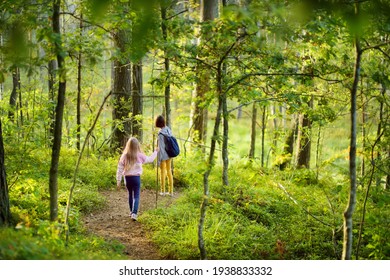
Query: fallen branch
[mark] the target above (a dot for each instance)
(303, 208)
(66, 222)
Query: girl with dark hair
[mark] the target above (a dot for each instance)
(163, 160)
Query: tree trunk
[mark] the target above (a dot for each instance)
(364, 118)
(263, 126)
(209, 11)
(298, 139)
(289, 146)
(53, 176)
(275, 128)
(137, 93)
(318, 150)
(121, 91)
(348, 213)
(15, 92)
(210, 165)
(52, 69)
(305, 142)
(78, 106)
(5, 213)
(20, 109)
(253, 132)
(167, 86)
(1, 63)
(225, 139)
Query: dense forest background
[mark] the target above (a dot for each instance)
(281, 109)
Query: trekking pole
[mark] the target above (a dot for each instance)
(157, 182)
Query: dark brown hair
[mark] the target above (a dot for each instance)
(160, 121)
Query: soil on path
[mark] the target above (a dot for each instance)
(114, 223)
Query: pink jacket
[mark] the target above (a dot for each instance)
(137, 168)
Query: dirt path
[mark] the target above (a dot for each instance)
(113, 222)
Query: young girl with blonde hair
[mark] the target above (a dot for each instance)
(130, 166)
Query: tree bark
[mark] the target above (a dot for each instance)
(5, 213)
(121, 91)
(225, 139)
(253, 132)
(348, 213)
(15, 92)
(209, 11)
(167, 86)
(275, 135)
(78, 106)
(263, 127)
(289, 146)
(305, 143)
(1, 62)
(56, 148)
(136, 96)
(52, 69)
(210, 165)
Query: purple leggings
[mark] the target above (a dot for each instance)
(133, 185)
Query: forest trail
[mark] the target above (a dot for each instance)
(114, 223)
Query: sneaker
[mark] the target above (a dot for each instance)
(134, 216)
(162, 193)
(167, 193)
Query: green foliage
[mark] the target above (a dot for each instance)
(95, 171)
(43, 242)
